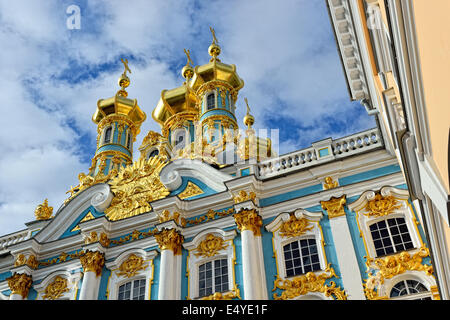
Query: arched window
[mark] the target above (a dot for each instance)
(180, 138)
(153, 153)
(129, 140)
(411, 288)
(301, 257)
(391, 236)
(108, 132)
(132, 290)
(210, 101)
(213, 277)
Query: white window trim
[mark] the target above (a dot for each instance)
(279, 242)
(72, 284)
(115, 281)
(427, 281)
(194, 262)
(405, 211)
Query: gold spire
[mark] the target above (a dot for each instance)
(188, 71)
(249, 120)
(124, 81)
(214, 49)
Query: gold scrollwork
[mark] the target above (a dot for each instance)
(248, 220)
(170, 239)
(131, 266)
(311, 282)
(381, 206)
(244, 196)
(31, 261)
(20, 283)
(43, 211)
(56, 289)
(329, 183)
(93, 261)
(294, 227)
(235, 293)
(210, 246)
(334, 206)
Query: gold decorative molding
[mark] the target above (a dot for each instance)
(131, 266)
(56, 289)
(93, 237)
(435, 293)
(20, 283)
(87, 217)
(311, 282)
(31, 261)
(391, 266)
(248, 220)
(43, 211)
(235, 293)
(170, 239)
(244, 196)
(210, 215)
(294, 227)
(190, 191)
(381, 206)
(210, 246)
(61, 258)
(329, 183)
(135, 187)
(166, 216)
(334, 206)
(93, 261)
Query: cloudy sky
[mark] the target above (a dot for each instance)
(52, 78)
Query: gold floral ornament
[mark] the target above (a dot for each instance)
(135, 187)
(190, 191)
(170, 239)
(294, 227)
(381, 206)
(93, 237)
(93, 261)
(56, 289)
(131, 266)
(394, 265)
(210, 246)
(20, 283)
(166, 216)
(334, 206)
(248, 220)
(43, 211)
(329, 183)
(31, 261)
(310, 282)
(244, 196)
(235, 293)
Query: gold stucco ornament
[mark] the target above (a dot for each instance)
(43, 211)
(210, 246)
(381, 206)
(248, 220)
(56, 289)
(131, 266)
(311, 282)
(20, 283)
(170, 239)
(135, 187)
(294, 227)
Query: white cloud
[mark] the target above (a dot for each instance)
(284, 51)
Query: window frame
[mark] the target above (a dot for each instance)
(194, 261)
(104, 135)
(280, 241)
(207, 95)
(115, 280)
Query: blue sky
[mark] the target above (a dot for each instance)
(53, 77)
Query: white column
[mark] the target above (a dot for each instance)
(169, 241)
(345, 251)
(166, 274)
(92, 262)
(250, 266)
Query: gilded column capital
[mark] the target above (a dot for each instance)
(20, 283)
(93, 261)
(334, 206)
(248, 220)
(170, 239)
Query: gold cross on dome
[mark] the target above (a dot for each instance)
(214, 35)
(188, 55)
(125, 64)
(248, 107)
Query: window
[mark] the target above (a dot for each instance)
(154, 153)
(108, 132)
(180, 137)
(301, 257)
(410, 288)
(213, 277)
(210, 101)
(129, 140)
(133, 290)
(390, 236)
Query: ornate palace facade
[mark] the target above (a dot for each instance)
(210, 211)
